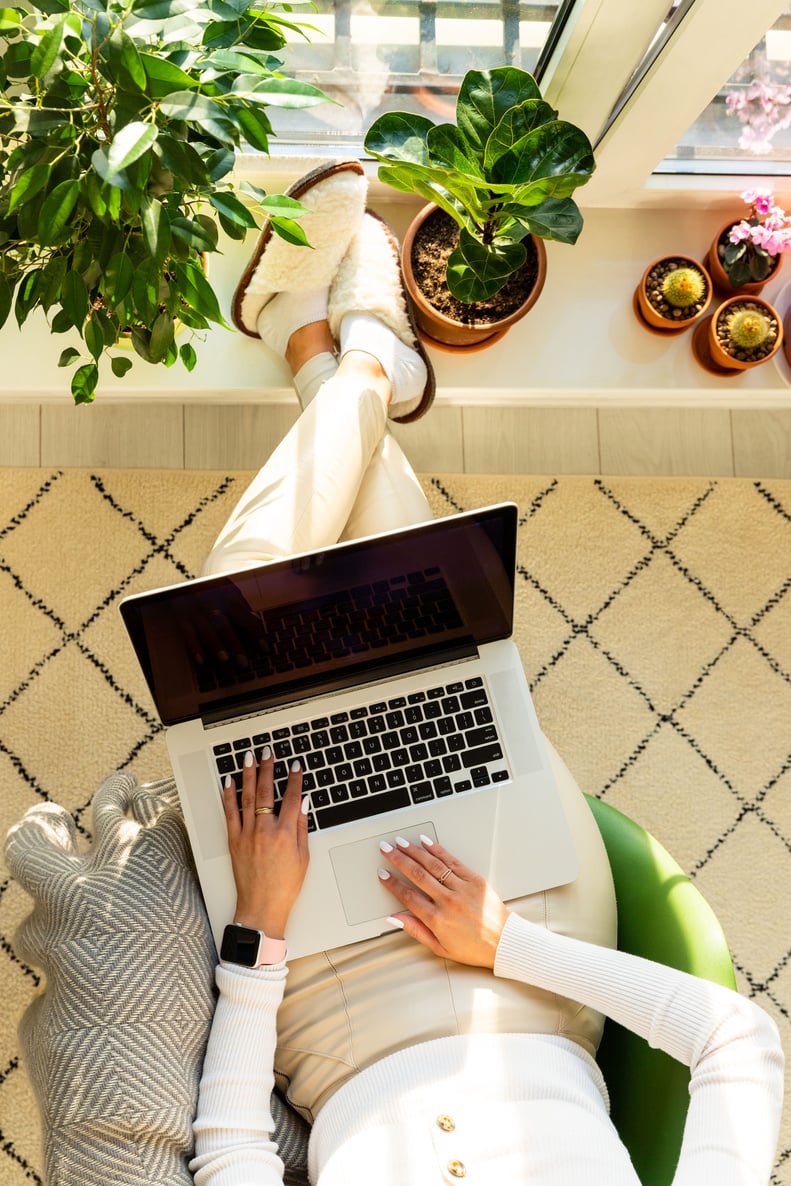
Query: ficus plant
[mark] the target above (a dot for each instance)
(504, 170)
(119, 124)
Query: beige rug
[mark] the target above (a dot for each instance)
(654, 621)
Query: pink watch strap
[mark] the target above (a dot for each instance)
(270, 951)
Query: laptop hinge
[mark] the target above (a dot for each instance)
(339, 683)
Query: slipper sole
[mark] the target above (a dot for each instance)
(247, 323)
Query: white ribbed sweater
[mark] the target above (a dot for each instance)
(524, 1109)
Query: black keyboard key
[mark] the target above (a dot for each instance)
(419, 752)
(465, 720)
(354, 809)
(314, 760)
(343, 771)
(455, 687)
(413, 715)
(339, 734)
(391, 740)
(456, 742)
(280, 771)
(394, 720)
(320, 738)
(484, 735)
(338, 718)
(376, 724)
(450, 763)
(397, 702)
(223, 748)
(435, 693)
(413, 773)
(464, 785)
(242, 743)
(320, 798)
(481, 780)
(308, 782)
(320, 723)
(474, 682)
(325, 777)
(357, 713)
(372, 745)
(483, 716)
(283, 749)
(445, 726)
(395, 778)
(473, 699)
(264, 738)
(359, 728)
(427, 730)
(438, 747)
(301, 744)
(358, 787)
(226, 765)
(481, 755)
(500, 776)
(362, 767)
(451, 705)
(416, 697)
(432, 768)
(381, 761)
(409, 735)
(379, 707)
(311, 822)
(399, 757)
(443, 786)
(279, 734)
(376, 783)
(422, 792)
(334, 755)
(432, 710)
(352, 750)
(339, 794)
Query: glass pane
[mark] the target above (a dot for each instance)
(747, 126)
(406, 55)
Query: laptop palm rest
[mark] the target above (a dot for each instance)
(355, 867)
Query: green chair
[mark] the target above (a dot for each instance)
(663, 917)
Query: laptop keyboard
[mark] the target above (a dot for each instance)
(383, 756)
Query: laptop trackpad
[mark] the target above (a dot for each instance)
(355, 867)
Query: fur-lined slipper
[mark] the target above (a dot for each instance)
(369, 280)
(335, 196)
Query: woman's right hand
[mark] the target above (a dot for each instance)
(269, 853)
(453, 911)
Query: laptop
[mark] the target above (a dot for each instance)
(386, 666)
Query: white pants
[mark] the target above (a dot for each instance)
(339, 475)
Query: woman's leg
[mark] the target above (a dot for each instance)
(348, 1007)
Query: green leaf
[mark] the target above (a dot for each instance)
(191, 232)
(236, 61)
(145, 292)
(234, 210)
(219, 163)
(277, 203)
(197, 291)
(518, 122)
(447, 146)
(399, 136)
(127, 146)
(68, 356)
(83, 383)
(255, 126)
(74, 298)
(123, 60)
(6, 299)
(61, 323)
(161, 336)
(17, 59)
(10, 20)
(120, 365)
(183, 161)
(94, 338)
(191, 107)
(54, 275)
(56, 212)
(46, 52)
(155, 226)
(118, 278)
(31, 182)
(550, 162)
(289, 230)
(164, 77)
(161, 10)
(484, 98)
(556, 218)
(27, 295)
(477, 271)
(140, 340)
(284, 92)
(188, 356)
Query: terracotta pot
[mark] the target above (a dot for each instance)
(706, 346)
(436, 327)
(720, 276)
(654, 320)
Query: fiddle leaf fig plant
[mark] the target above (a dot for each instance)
(504, 170)
(119, 125)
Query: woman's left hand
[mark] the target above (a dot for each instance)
(454, 912)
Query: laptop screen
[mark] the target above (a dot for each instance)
(355, 612)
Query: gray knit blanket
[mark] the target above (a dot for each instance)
(114, 1043)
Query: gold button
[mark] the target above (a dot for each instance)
(457, 1168)
(445, 1123)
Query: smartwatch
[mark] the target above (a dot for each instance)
(250, 948)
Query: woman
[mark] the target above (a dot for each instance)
(471, 1052)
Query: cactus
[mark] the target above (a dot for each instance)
(683, 287)
(748, 328)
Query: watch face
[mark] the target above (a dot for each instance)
(240, 946)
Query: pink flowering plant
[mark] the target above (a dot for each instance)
(753, 244)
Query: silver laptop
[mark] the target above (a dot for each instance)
(386, 666)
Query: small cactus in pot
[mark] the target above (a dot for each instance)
(748, 329)
(673, 293)
(742, 333)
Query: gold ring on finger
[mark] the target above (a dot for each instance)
(445, 875)
(264, 811)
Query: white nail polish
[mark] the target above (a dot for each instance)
(305, 808)
(295, 766)
(228, 782)
(383, 875)
(266, 753)
(249, 758)
(426, 841)
(395, 922)
(401, 842)
(385, 847)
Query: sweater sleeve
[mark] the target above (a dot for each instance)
(731, 1046)
(233, 1126)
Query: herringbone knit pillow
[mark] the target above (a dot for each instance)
(115, 1043)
